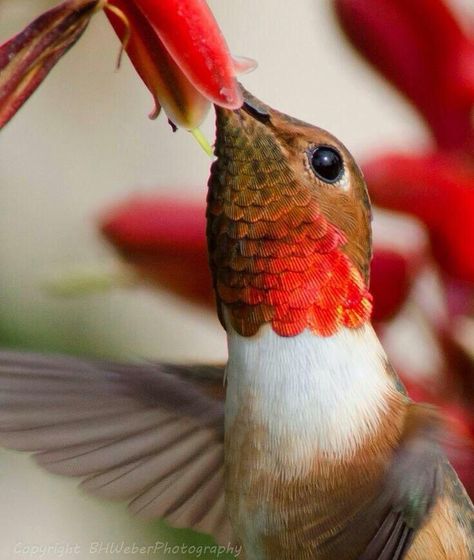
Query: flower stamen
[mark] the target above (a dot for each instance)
(128, 29)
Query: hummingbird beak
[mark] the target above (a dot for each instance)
(248, 134)
(255, 108)
(252, 107)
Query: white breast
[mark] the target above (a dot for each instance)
(310, 394)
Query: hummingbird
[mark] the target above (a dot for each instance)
(305, 445)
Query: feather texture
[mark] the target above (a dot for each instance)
(148, 433)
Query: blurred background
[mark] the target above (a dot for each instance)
(83, 143)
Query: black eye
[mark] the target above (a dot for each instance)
(327, 163)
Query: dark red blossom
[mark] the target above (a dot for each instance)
(421, 48)
(438, 189)
(165, 241)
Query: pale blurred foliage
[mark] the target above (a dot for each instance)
(84, 141)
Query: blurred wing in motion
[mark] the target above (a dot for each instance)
(151, 434)
(417, 479)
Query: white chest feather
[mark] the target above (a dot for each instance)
(310, 394)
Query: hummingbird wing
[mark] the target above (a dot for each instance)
(411, 487)
(151, 434)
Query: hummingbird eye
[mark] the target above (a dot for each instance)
(327, 163)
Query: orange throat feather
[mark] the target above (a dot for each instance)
(276, 258)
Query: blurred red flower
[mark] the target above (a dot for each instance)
(421, 48)
(165, 240)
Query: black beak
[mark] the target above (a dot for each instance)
(254, 107)
(256, 111)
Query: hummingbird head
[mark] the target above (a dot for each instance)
(288, 225)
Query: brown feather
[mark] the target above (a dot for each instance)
(149, 433)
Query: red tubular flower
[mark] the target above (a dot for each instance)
(175, 46)
(165, 241)
(178, 50)
(170, 88)
(439, 190)
(191, 35)
(390, 280)
(420, 47)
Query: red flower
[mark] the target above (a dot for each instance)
(421, 48)
(175, 45)
(178, 50)
(165, 241)
(190, 33)
(438, 189)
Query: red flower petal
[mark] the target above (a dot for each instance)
(390, 280)
(191, 35)
(420, 47)
(171, 89)
(439, 190)
(27, 58)
(165, 240)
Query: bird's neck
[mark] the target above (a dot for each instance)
(310, 394)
